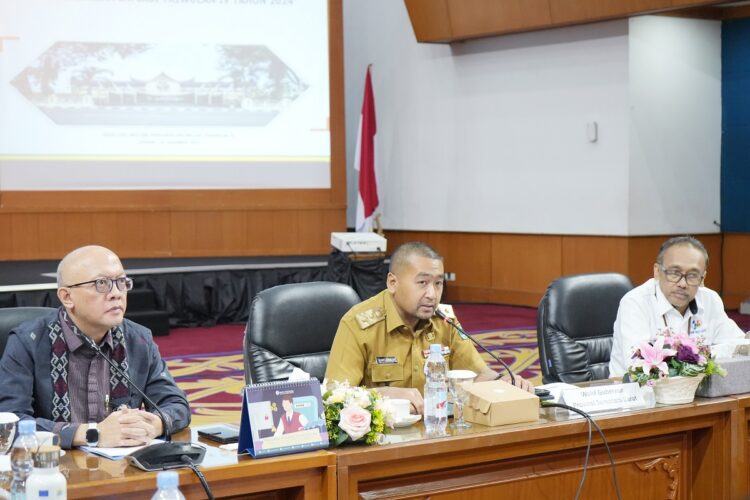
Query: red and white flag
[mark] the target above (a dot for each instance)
(368, 203)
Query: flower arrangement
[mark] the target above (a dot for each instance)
(355, 413)
(671, 355)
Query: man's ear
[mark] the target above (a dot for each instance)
(392, 282)
(656, 271)
(64, 295)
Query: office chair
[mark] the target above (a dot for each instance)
(11, 317)
(575, 325)
(293, 325)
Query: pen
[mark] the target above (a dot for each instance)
(107, 407)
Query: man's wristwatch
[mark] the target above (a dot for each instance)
(92, 435)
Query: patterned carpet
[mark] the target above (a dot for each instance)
(213, 381)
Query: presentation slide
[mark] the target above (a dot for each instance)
(164, 94)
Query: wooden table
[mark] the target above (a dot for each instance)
(308, 475)
(741, 448)
(696, 451)
(667, 452)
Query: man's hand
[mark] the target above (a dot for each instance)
(521, 383)
(413, 395)
(490, 374)
(124, 427)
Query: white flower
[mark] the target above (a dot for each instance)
(387, 412)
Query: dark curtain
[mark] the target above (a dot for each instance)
(206, 298)
(367, 277)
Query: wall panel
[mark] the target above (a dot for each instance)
(521, 266)
(588, 254)
(6, 243)
(736, 269)
(525, 263)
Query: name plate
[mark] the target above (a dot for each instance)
(602, 398)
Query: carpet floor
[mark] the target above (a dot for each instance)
(207, 363)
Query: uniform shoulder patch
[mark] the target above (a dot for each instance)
(367, 318)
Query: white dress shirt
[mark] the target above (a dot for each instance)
(645, 311)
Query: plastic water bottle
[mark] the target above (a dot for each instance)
(435, 392)
(46, 482)
(167, 482)
(21, 458)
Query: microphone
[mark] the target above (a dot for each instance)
(543, 394)
(440, 314)
(157, 456)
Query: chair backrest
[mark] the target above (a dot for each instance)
(11, 317)
(294, 325)
(575, 322)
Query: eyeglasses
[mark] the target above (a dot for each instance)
(105, 285)
(674, 276)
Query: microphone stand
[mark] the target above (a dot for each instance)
(157, 456)
(440, 314)
(541, 393)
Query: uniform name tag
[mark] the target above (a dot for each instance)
(386, 360)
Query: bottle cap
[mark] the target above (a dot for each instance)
(167, 479)
(27, 426)
(436, 348)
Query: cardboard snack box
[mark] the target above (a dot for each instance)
(498, 403)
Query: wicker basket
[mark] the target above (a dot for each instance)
(676, 390)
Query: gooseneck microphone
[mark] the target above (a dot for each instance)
(157, 456)
(440, 314)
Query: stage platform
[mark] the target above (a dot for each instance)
(199, 291)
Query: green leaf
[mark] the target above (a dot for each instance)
(343, 436)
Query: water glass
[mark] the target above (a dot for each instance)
(7, 431)
(457, 380)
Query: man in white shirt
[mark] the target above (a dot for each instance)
(674, 298)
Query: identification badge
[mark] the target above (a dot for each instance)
(696, 326)
(386, 360)
(446, 351)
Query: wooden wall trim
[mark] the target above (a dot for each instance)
(173, 200)
(517, 268)
(445, 21)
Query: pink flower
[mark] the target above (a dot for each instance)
(354, 421)
(685, 340)
(652, 356)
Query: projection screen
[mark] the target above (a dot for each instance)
(164, 94)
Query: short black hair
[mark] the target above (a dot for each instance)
(402, 254)
(681, 240)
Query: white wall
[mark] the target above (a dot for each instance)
(489, 135)
(675, 128)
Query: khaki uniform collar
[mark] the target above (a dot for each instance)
(393, 320)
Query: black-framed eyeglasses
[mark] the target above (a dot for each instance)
(104, 285)
(692, 278)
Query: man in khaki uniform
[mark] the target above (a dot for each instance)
(383, 341)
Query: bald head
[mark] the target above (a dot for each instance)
(93, 308)
(401, 258)
(77, 265)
